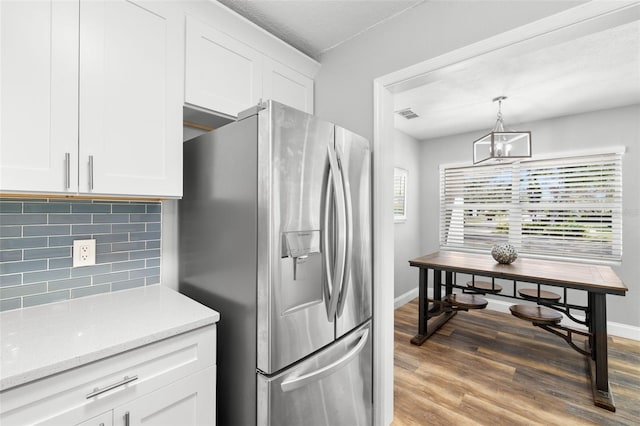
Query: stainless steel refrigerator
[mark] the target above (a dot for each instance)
(275, 234)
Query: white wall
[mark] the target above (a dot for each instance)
(407, 235)
(613, 127)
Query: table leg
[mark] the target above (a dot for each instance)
(423, 307)
(436, 309)
(448, 280)
(599, 363)
(589, 319)
(426, 329)
(437, 284)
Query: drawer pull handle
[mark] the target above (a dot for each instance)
(98, 391)
(126, 419)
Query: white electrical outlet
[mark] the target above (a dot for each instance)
(84, 253)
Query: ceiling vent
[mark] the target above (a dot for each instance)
(407, 113)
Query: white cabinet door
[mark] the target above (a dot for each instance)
(186, 402)
(222, 74)
(104, 419)
(130, 98)
(38, 96)
(287, 86)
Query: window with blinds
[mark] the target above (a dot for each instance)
(399, 195)
(565, 207)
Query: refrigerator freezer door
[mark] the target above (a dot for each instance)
(332, 388)
(292, 180)
(355, 302)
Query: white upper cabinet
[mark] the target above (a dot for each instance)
(91, 97)
(130, 98)
(287, 86)
(222, 74)
(231, 64)
(91, 91)
(38, 96)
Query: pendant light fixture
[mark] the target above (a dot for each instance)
(501, 145)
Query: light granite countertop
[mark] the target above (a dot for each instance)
(43, 340)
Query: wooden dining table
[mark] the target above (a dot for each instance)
(597, 280)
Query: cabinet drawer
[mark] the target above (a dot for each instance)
(64, 395)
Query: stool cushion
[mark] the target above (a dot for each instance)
(536, 314)
(532, 294)
(485, 286)
(467, 301)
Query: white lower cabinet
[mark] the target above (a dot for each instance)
(167, 383)
(104, 419)
(186, 402)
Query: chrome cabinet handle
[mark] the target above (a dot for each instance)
(126, 419)
(98, 391)
(91, 172)
(67, 172)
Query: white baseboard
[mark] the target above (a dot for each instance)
(613, 328)
(405, 298)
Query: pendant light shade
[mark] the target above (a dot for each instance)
(501, 145)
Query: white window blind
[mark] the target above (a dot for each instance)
(566, 207)
(399, 195)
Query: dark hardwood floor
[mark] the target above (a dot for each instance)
(490, 368)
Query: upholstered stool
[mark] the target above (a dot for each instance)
(532, 294)
(484, 286)
(536, 314)
(467, 301)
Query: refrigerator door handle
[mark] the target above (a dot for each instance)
(348, 218)
(330, 287)
(335, 277)
(300, 381)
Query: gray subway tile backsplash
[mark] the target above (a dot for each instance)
(123, 285)
(11, 208)
(23, 219)
(36, 241)
(46, 253)
(6, 304)
(90, 229)
(129, 208)
(50, 275)
(23, 266)
(70, 283)
(10, 231)
(45, 230)
(70, 218)
(90, 208)
(46, 208)
(13, 279)
(41, 299)
(112, 218)
(22, 290)
(21, 243)
(10, 255)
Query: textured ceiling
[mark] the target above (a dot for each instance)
(595, 71)
(316, 26)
